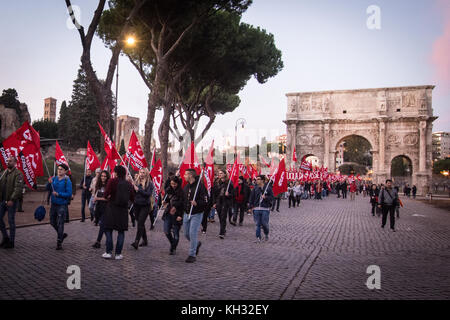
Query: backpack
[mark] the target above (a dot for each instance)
(122, 194)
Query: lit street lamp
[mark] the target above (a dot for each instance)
(240, 121)
(130, 41)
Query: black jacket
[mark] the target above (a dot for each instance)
(143, 196)
(374, 195)
(201, 198)
(218, 193)
(175, 199)
(87, 181)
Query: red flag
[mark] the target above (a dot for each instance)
(135, 155)
(280, 181)
(59, 156)
(264, 161)
(92, 162)
(209, 169)
(157, 176)
(153, 157)
(294, 156)
(110, 147)
(234, 176)
(190, 162)
(247, 173)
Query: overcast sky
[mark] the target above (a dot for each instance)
(326, 45)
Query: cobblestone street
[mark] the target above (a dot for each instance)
(320, 250)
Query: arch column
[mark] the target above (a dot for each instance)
(326, 132)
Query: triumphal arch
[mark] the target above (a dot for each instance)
(396, 122)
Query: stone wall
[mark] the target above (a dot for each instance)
(10, 120)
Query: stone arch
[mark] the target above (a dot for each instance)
(410, 178)
(305, 156)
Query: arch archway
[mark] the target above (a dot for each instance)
(315, 161)
(401, 170)
(354, 155)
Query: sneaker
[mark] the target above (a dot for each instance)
(199, 244)
(118, 257)
(258, 240)
(233, 223)
(221, 236)
(240, 224)
(64, 236)
(82, 220)
(107, 255)
(135, 245)
(266, 237)
(203, 232)
(278, 210)
(96, 245)
(172, 251)
(190, 259)
(393, 230)
(58, 246)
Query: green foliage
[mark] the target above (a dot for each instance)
(353, 168)
(122, 150)
(401, 167)
(357, 149)
(78, 121)
(9, 99)
(441, 165)
(46, 128)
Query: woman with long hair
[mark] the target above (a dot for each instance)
(143, 186)
(173, 212)
(100, 203)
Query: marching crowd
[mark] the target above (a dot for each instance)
(112, 198)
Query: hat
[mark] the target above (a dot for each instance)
(64, 166)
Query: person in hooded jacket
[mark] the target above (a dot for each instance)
(223, 193)
(173, 212)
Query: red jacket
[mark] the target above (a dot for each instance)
(353, 187)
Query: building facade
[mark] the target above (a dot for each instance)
(125, 126)
(396, 122)
(50, 109)
(441, 145)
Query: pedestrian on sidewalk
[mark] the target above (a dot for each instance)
(260, 202)
(291, 194)
(11, 185)
(119, 192)
(242, 194)
(61, 195)
(194, 204)
(298, 191)
(353, 189)
(388, 201)
(143, 186)
(414, 191)
(373, 193)
(100, 204)
(93, 191)
(222, 200)
(173, 212)
(85, 193)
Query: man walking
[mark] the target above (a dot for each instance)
(85, 186)
(388, 201)
(260, 202)
(223, 193)
(195, 205)
(61, 195)
(11, 184)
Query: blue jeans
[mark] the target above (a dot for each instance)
(191, 227)
(324, 193)
(58, 213)
(110, 244)
(212, 213)
(11, 220)
(172, 230)
(261, 218)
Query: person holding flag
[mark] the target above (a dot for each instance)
(260, 203)
(11, 184)
(173, 212)
(62, 193)
(195, 200)
(223, 193)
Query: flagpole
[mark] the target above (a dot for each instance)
(48, 171)
(54, 168)
(195, 194)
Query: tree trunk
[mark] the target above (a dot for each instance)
(163, 133)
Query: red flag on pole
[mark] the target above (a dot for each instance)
(110, 147)
(190, 162)
(294, 156)
(135, 155)
(59, 156)
(157, 176)
(280, 181)
(153, 162)
(209, 168)
(92, 161)
(264, 161)
(234, 177)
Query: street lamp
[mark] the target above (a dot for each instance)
(240, 121)
(130, 41)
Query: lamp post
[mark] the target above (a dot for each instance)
(240, 121)
(130, 41)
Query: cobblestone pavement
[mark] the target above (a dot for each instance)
(318, 251)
